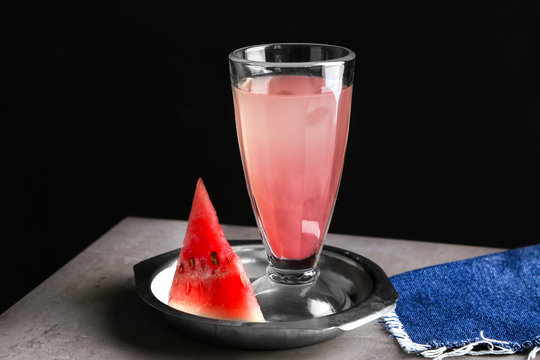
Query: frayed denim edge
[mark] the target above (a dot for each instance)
(439, 351)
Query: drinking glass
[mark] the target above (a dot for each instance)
(292, 107)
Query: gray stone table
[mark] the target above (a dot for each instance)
(89, 309)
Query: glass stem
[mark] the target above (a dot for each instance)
(292, 277)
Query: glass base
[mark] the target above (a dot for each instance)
(283, 298)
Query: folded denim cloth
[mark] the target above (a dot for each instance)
(484, 305)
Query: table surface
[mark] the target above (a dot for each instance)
(89, 309)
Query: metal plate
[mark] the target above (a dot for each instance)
(368, 287)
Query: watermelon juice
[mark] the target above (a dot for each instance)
(292, 131)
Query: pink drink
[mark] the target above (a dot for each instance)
(292, 131)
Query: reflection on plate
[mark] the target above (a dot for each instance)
(369, 289)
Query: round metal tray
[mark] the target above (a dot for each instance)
(369, 289)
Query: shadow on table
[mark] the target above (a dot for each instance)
(137, 325)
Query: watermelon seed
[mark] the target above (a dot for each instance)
(180, 268)
(214, 258)
(192, 262)
(188, 287)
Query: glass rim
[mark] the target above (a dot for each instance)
(349, 56)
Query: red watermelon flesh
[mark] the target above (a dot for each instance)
(210, 279)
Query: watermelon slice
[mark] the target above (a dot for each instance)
(210, 279)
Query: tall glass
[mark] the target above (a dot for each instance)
(292, 107)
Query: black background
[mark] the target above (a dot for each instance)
(120, 107)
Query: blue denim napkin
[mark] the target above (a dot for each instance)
(484, 305)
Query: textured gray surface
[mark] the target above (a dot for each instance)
(89, 310)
